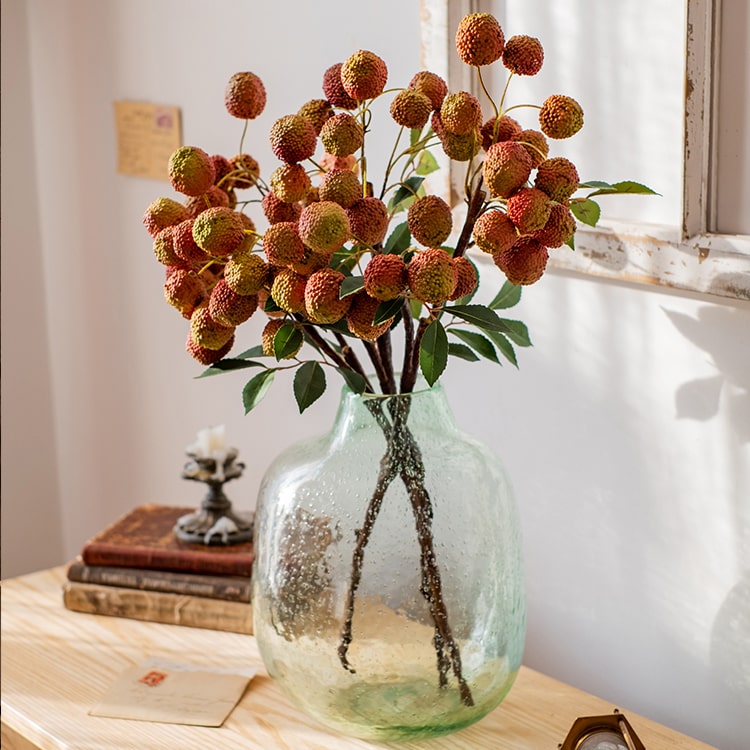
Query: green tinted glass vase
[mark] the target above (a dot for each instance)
(387, 595)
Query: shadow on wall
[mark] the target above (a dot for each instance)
(699, 399)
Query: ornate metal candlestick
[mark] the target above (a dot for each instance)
(215, 522)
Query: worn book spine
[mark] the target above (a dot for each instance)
(231, 588)
(153, 606)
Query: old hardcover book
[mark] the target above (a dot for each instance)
(144, 538)
(231, 588)
(156, 606)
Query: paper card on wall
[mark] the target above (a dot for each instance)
(147, 134)
(158, 690)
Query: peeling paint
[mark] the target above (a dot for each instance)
(703, 253)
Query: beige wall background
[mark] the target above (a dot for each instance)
(626, 430)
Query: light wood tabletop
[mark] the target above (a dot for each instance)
(57, 664)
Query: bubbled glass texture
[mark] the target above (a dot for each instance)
(311, 511)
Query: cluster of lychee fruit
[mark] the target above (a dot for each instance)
(220, 269)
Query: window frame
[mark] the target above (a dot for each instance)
(690, 257)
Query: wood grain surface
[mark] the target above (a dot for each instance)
(56, 664)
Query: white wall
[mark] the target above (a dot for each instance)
(626, 430)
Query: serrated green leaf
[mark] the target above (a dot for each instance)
(625, 187)
(398, 240)
(462, 351)
(253, 351)
(228, 365)
(427, 164)
(356, 383)
(309, 384)
(586, 211)
(256, 388)
(287, 341)
(433, 352)
(477, 342)
(477, 315)
(270, 305)
(594, 184)
(351, 285)
(516, 331)
(508, 296)
(386, 310)
(504, 347)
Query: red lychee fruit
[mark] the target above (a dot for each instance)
(461, 113)
(288, 290)
(246, 273)
(162, 213)
(207, 356)
(523, 55)
(431, 85)
(341, 186)
(535, 144)
(360, 316)
(430, 220)
(559, 228)
(494, 232)
(191, 170)
(479, 39)
(184, 290)
(341, 135)
(282, 244)
(293, 138)
(558, 177)
(275, 210)
(322, 301)
(385, 277)
(227, 307)
(333, 88)
(214, 196)
(368, 220)
(244, 174)
(465, 275)
(245, 96)
(317, 111)
(290, 183)
(524, 263)
(506, 168)
(411, 109)
(560, 116)
(528, 209)
(206, 332)
(219, 231)
(184, 244)
(164, 248)
(494, 130)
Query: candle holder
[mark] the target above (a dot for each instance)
(215, 522)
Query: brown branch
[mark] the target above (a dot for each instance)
(348, 359)
(386, 357)
(472, 214)
(408, 344)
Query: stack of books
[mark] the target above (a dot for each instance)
(138, 568)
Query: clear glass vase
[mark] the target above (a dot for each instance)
(387, 595)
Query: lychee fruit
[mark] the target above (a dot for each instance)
(207, 332)
(322, 301)
(430, 220)
(360, 316)
(290, 182)
(494, 130)
(324, 226)
(282, 244)
(430, 274)
(207, 356)
(368, 221)
(341, 186)
(465, 275)
(494, 232)
(528, 209)
(364, 75)
(317, 111)
(558, 177)
(246, 273)
(275, 210)
(506, 168)
(184, 290)
(523, 55)
(461, 113)
(227, 307)
(559, 228)
(385, 277)
(560, 116)
(431, 85)
(341, 135)
(191, 170)
(269, 334)
(535, 143)
(214, 196)
(245, 172)
(162, 213)
(245, 96)
(479, 39)
(333, 88)
(184, 244)
(219, 231)
(288, 290)
(524, 263)
(411, 109)
(293, 138)
(164, 247)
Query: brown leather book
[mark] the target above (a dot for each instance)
(156, 606)
(144, 538)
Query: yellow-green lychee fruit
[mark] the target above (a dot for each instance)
(431, 85)
(535, 144)
(268, 336)
(430, 220)
(364, 75)
(333, 88)
(290, 183)
(411, 109)
(465, 276)
(219, 231)
(245, 96)
(275, 210)
(164, 248)
(341, 186)
(317, 111)
(288, 290)
(524, 263)
(324, 226)
(457, 147)
(523, 55)
(341, 135)
(479, 39)
(368, 220)
(204, 355)
(227, 307)
(190, 170)
(461, 113)
(360, 316)
(163, 213)
(184, 290)
(213, 197)
(207, 332)
(528, 209)
(385, 277)
(246, 273)
(558, 230)
(431, 276)
(322, 301)
(558, 177)
(560, 116)
(495, 130)
(494, 232)
(282, 244)
(506, 168)
(293, 138)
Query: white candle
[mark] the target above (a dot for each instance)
(211, 443)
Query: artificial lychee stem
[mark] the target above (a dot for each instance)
(472, 214)
(408, 346)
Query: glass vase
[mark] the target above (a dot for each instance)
(387, 586)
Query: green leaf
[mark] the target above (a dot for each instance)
(256, 388)
(309, 384)
(477, 342)
(409, 188)
(594, 184)
(508, 296)
(287, 341)
(586, 211)
(433, 352)
(228, 365)
(416, 308)
(253, 351)
(270, 305)
(427, 164)
(504, 347)
(414, 135)
(477, 315)
(351, 285)
(398, 240)
(571, 242)
(354, 380)
(344, 260)
(626, 187)
(387, 310)
(516, 331)
(462, 351)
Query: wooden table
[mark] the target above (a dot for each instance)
(56, 664)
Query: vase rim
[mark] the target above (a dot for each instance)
(421, 388)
